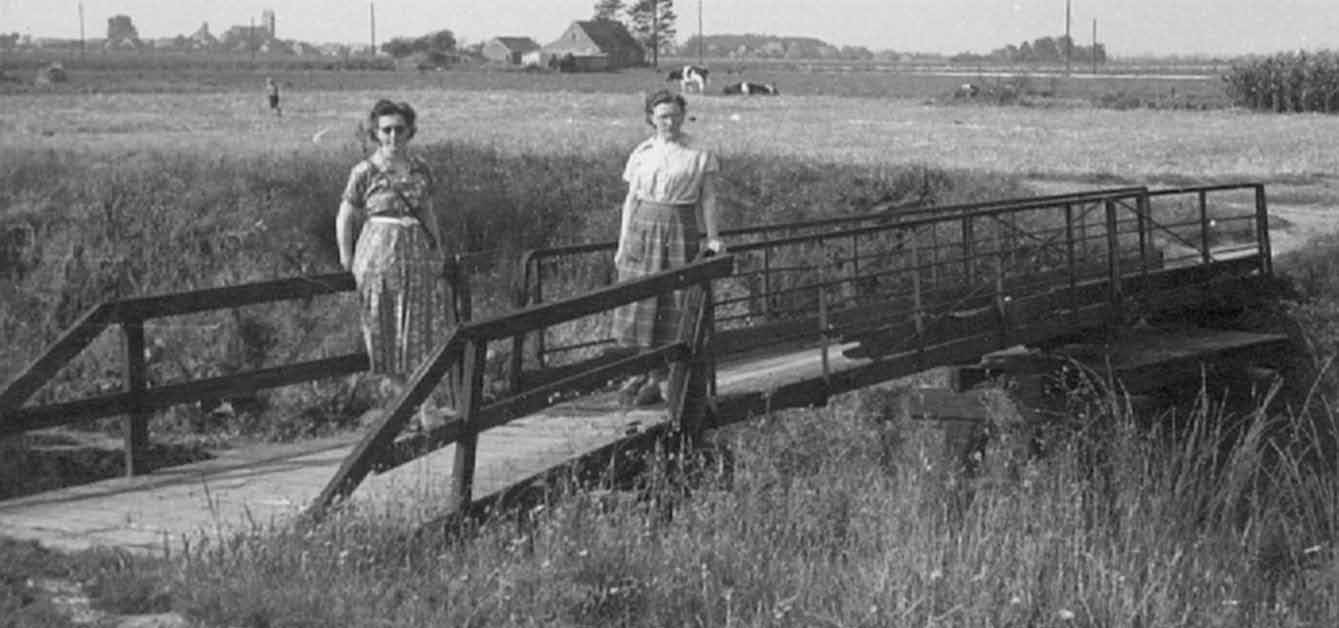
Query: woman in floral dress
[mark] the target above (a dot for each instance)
(396, 258)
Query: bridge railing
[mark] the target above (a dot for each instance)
(466, 351)
(958, 257)
(1031, 276)
(770, 285)
(138, 399)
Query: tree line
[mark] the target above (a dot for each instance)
(1040, 50)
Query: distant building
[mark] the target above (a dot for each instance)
(267, 22)
(511, 50)
(591, 45)
(202, 39)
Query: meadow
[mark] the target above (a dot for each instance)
(823, 517)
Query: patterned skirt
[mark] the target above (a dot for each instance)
(660, 237)
(398, 274)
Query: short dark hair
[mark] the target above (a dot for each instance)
(386, 107)
(663, 96)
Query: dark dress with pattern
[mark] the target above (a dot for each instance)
(396, 266)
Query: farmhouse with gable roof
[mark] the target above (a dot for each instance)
(596, 45)
(509, 50)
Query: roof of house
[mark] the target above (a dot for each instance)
(608, 34)
(518, 44)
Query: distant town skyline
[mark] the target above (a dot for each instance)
(1125, 27)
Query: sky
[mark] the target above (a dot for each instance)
(1126, 27)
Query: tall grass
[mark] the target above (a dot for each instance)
(77, 230)
(843, 516)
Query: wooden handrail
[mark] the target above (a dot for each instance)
(466, 347)
(31, 379)
(159, 397)
(548, 314)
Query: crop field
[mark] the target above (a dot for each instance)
(135, 181)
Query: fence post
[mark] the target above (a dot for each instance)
(462, 477)
(690, 381)
(136, 422)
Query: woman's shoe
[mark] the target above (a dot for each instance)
(649, 394)
(627, 393)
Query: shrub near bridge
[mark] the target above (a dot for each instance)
(75, 231)
(829, 518)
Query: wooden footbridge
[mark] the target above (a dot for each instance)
(794, 314)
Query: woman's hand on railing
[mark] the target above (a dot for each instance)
(715, 246)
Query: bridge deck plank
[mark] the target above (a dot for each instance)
(266, 486)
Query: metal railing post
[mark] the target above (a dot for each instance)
(968, 251)
(767, 283)
(1113, 263)
(1143, 211)
(1262, 231)
(1072, 262)
(1205, 254)
(136, 422)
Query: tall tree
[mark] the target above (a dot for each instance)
(608, 9)
(652, 23)
(120, 26)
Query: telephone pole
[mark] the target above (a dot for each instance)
(372, 24)
(82, 46)
(1094, 49)
(1069, 43)
(700, 62)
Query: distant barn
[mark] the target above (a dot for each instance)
(593, 45)
(509, 50)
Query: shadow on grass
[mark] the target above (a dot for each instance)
(45, 461)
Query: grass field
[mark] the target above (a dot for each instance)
(824, 520)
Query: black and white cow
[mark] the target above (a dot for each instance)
(746, 88)
(690, 78)
(967, 90)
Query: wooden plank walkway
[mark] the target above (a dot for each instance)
(269, 486)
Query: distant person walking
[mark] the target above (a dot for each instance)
(396, 257)
(272, 95)
(671, 201)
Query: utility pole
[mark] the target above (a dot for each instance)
(1094, 49)
(1069, 43)
(372, 24)
(700, 44)
(251, 39)
(82, 45)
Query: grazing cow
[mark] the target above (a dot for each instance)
(746, 88)
(967, 90)
(690, 77)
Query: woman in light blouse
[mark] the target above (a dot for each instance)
(671, 202)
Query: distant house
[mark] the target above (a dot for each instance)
(590, 45)
(251, 38)
(510, 50)
(202, 39)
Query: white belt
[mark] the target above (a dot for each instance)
(407, 221)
